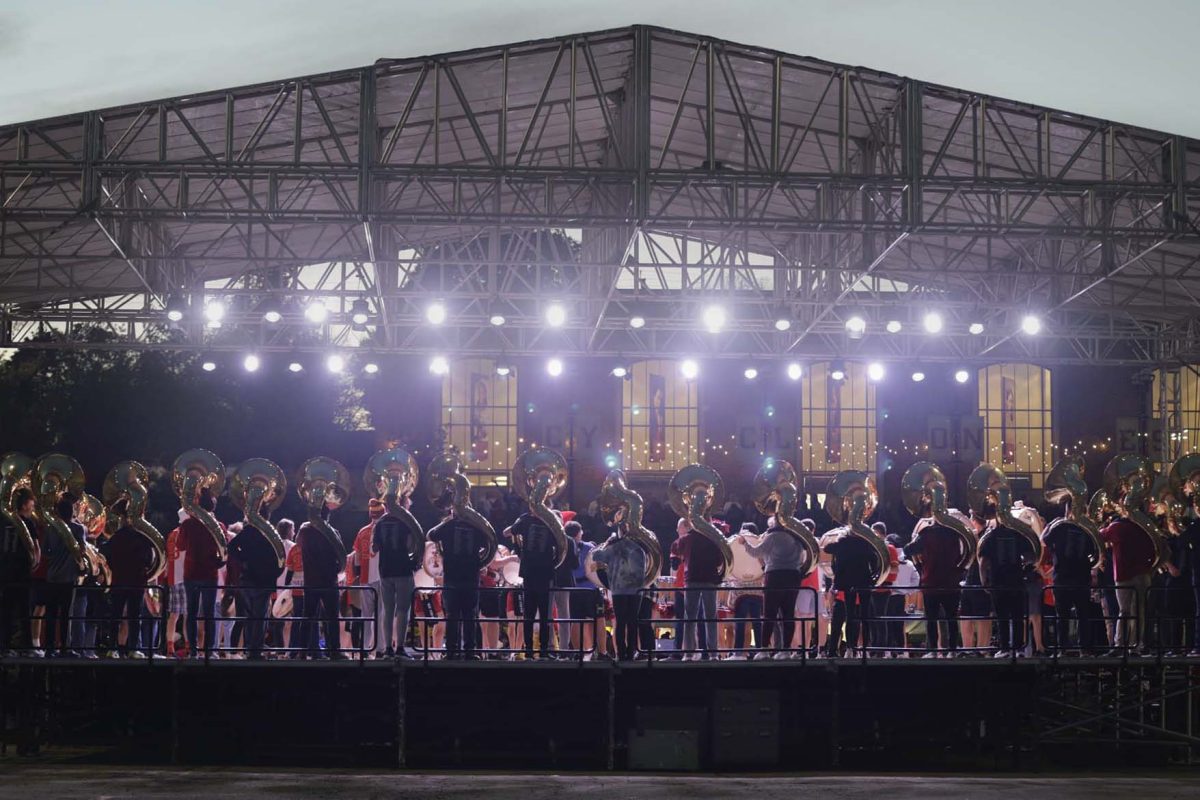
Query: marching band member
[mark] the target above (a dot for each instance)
(460, 544)
(62, 573)
(935, 549)
(702, 564)
(852, 585)
(321, 567)
(1003, 554)
(783, 562)
(534, 543)
(260, 571)
(626, 563)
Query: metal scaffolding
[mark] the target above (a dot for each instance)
(638, 171)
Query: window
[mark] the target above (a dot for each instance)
(1014, 401)
(659, 418)
(1180, 403)
(479, 418)
(837, 420)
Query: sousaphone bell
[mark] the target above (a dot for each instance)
(923, 491)
(257, 488)
(391, 475)
(325, 482)
(988, 485)
(539, 475)
(1128, 480)
(775, 493)
(692, 493)
(1066, 482)
(129, 481)
(850, 499)
(194, 471)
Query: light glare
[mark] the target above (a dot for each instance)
(556, 315)
(316, 311)
(962, 376)
(554, 367)
(1031, 325)
(794, 371)
(251, 363)
(714, 318)
(933, 322)
(875, 371)
(438, 365)
(690, 369)
(335, 363)
(751, 373)
(435, 314)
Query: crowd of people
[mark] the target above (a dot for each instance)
(241, 603)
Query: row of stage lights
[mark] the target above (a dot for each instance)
(252, 362)
(315, 311)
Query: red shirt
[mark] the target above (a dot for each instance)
(201, 561)
(702, 560)
(893, 568)
(174, 571)
(939, 551)
(367, 563)
(1132, 550)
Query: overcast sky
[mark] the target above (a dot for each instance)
(1133, 61)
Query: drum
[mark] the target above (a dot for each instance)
(746, 568)
(431, 568)
(510, 574)
(283, 605)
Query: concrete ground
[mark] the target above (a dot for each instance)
(80, 783)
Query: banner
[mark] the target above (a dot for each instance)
(480, 388)
(657, 385)
(1008, 418)
(833, 422)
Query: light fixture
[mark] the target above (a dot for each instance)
(610, 461)
(894, 326)
(637, 321)
(435, 313)
(251, 363)
(856, 326)
(794, 371)
(272, 315)
(918, 376)
(360, 312)
(751, 373)
(497, 319)
(208, 365)
(619, 371)
(335, 363)
(962, 376)
(438, 365)
(316, 311)
(295, 366)
(690, 369)
(503, 370)
(975, 328)
(933, 322)
(714, 318)
(370, 368)
(176, 308)
(875, 371)
(838, 371)
(556, 315)
(782, 324)
(554, 367)
(1031, 325)
(214, 311)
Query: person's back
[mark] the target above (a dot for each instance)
(779, 551)
(460, 544)
(625, 561)
(259, 565)
(537, 550)
(1132, 551)
(1070, 549)
(853, 559)
(61, 565)
(201, 559)
(389, 540)
(702, 561)
(320, 560)
(130, 557)
(938, 550)
(1003, 549)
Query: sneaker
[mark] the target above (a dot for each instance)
(35, 653)
(930, 654)
(8, 653)
(91, 654)
(797, 655)
(761, 655)
(1002, 654)
(736, 657)
(780, 655)
(135, 654)
(113, 654)
(69, 653)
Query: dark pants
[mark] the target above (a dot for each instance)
(681, 621)
(461, 604)
(321, 603)
(60, 597)
(1079, 599)
(537, 602)
(298, 637)
(945, 605)
(15, 628)
(646, 624)
(780, 589)
(855, 613)
(127, 607)
(627, 608)
(1196, 619)
(1011, 603)
(751, 606)
(201, 602)
(254, 603)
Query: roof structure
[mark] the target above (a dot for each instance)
(632, 172)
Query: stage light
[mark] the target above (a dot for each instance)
(503, 370)
(690, 369)
(554, 367)
(782, 324)
(556, 315)
(316, 311)
(875, 371)
(619, 371)
(610, 461)
(497, 319)
(251, 363)
(295, 366)
(838, 371)
(360, 312)
(335, 363)
(794, 371)
(962, 376)
(714, 318)
(751, 373)
(272, 316)
(176, 308)
(438, 365)
(856, 326)
(918, 376)
(208, 365)
(894, 326)
(933, 322)
(371, 368)
(1031, 325)
(435, 313)
(637, 321)
(975, 328)
(214, 311)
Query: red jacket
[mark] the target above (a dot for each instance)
(201, 560)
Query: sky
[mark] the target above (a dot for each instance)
(1131, 62)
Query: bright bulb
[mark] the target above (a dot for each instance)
(214, 311)
(619, 372)
(838, 374)
(251, 363)
(856, 325)
(295, 366)
(359, 318)
(918, 377)
(962, 376)
(875, 371)
(933, 322)
(556, 315)
(335, 363)
(690, 369)
(554, 367)
(175, 315)
(782, 324)
(497, 320)
(751, 373)
(316, 312)
(714, 318)
(208, 366)
(894, 326)
(435, 314)
(438, 365)
(272, 316)
(371, 368)
(975, 328)
(503, 370)
(1031, 325)
(794, 371)
(637, 322)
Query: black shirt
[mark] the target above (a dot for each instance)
(60, 563)
(536, 549)
(1190, 539)
(564, 575)
(1069, 547)
(461, 544)
(321, 562)
(1003, 548)
(15, 563)
(389, 539)
(260, 567)
(853, 557)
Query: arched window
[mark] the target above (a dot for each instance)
(479, 417)
(1014, 401)
(659, 418)
(1175, 398)
(837, 419)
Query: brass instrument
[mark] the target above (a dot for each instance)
(923, 491)
(128, 481)
(259, 483)
(622, 506)
(392, 475)
(445, 474)
(775, 493)
(538, 476)
(849, 500)
(988, 484)
(1184, 477)
(1127, 480)
(1066, 483)
(692, 493)
(1166, 500)
(1100, 507)
(325, 482)
(16, 470)
(55, 475)
(194, 471)
(92, 514)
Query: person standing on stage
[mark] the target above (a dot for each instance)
(702, 566)
(852, 585)
(460, 544)
(201, 563)
(259, 572)
(130, 559)
(15, 569)
(587, 603)
(365, 564)
(176, 596)
(396, 566)
(1069, 548)
(784, 561)
(62, 573)
(321, 567)
(1190, 542)
(1133, 559)
(625, 561)
(564, 579)
(936, 549)
(534, 543)
(1003, 558)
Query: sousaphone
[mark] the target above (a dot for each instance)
(257, 488)
(692, 493)
(445, 474)
(325, 482)
(622, 507)
(391, 475)
(923, 491)
(1184, 478)
(194, 471)
(850, 499)
(129, 481)
(55, 475)
(539, 475)
(16, 472)
(1066, 482)
(775, 493)
(1128, 480)
(988, 485)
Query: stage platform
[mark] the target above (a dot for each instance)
(879, 714)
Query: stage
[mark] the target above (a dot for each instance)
(895, 714)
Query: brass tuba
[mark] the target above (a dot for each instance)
(692, 492)
(1128, 480)
(849, 500)
(620, 505)
(92, 515)
(445, 474)
(988, 484)
(775, 493)
(325, 482)
(16, 471)
(1184, 477)
(538, 476)
(923, 491)
(392, 475)
(194, 471)
(55, 475)
(128, 481)
(1066, 482)
(1100, 507)
(259, 484)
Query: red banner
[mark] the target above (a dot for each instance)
(833, 421)
(1008, 418)
(658, 418)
